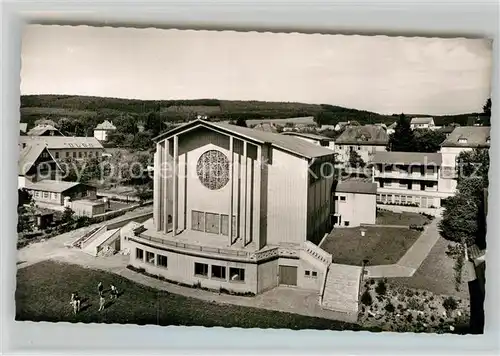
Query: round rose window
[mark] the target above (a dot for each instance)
(213, 169)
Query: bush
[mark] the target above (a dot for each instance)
(415, 305)
(381, 288)
(433, 318)
(389, 307)
(409, 293)
(450, 304)
(366, 298)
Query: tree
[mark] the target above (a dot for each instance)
(355, 160)
(463, 213)
(26, 217)
(241, 122)
(403, 139)
(486, 115)
(67, 215)
(154, 124)
(427, 140)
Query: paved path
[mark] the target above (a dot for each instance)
(412, 259)
(285, 299)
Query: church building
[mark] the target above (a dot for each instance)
(237, 209)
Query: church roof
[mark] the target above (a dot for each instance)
(284, 142)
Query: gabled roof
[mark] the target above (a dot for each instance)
(62, 142)
(422, 120)
(309, 135)
(48, 185)
(363, 135)
(41, 129)
(407, 158)
(28, 157)
(356, 186)
(468, 136)
(393, 125)
(105, 125)
(284, 142)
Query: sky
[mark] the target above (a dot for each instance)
(376, 73)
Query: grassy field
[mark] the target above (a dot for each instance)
(436, 274)
(385, 217)
(380, 245)
(44, 290)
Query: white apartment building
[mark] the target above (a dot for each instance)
(365, 140)
(410, 180)
(355, 203)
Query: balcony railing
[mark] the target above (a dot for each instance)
(407, 175)
(199, 248)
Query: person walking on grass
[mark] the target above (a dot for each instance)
(102, 303)
(114, 292)
(100, 289)
(75, 302)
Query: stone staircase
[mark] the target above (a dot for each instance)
(94, 247)
(341, 290)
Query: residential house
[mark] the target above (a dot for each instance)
(422, 123)
(355, 203)
(44, 130)
(233, 214)
(410, 181)
(56, 194)
(319, 140)
(36, 163)
(462, 138)
(447, 130)
(365, 140)
(66, 147)
(102, 130)
(39, 175)
(267, 127)
(341, 125)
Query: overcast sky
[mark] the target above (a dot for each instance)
(376, 73)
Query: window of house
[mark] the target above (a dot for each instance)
(54, 196)
(139, 254)
(462, 140)
(314, 274)
(403, 199)
(340, 147)
(342, 198)
(396, 199)
(150, 257)
(162, 260)
(307, 273)
(237, 274)
(57, 154)
(219, 272)
(201, 269)
(346, 223)
(67, 154)
(74, 154)
(46, 195)
(37, 194)
(45, 155)
(212, 223)
(79, 154)
(359, 148)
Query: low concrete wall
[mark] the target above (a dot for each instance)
(138, 218)
(116, 213)
(437, 212)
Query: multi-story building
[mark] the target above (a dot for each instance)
(238, 209)
(102, 130)
(62, 147)
(462, 138)
(410, 180)
(422, 123)
(313, 138)
(355, 203)
(365, 140)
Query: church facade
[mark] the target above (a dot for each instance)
(237, 209)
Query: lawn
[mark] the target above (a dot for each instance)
(436, 274)
(385, 217)
(380, 245)
(44, 290)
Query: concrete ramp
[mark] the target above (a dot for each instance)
(341, 291)
(94, 247)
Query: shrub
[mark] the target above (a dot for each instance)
(450, 304)
(389, 307)
(409, 317)
(381, 288)
(415, 305)
(433, 318)
(400, 306)
(372, 281)
(409, 293)
(366, 298)
(431, 298)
